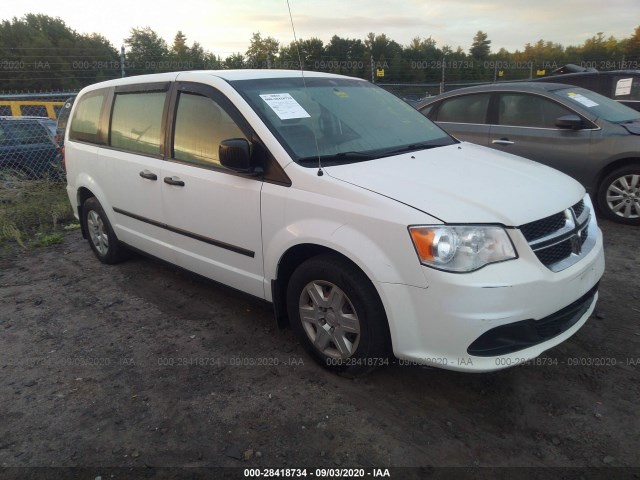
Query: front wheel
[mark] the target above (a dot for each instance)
(619, 195)
(336, 312)
(102, 238)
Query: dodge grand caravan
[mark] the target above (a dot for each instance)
(371, 231)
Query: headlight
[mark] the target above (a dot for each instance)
(461, 248)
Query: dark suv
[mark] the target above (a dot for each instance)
(27, 147)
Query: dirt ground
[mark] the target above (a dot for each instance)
(142, 365)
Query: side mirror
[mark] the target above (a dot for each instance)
(235, 154)
(573, 122)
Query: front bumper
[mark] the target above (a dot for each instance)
(496, 317)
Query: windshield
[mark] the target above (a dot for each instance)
(342, 120)
(599, 105)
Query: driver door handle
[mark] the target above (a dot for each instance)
(174, 181)
(503, 141)
(148, 175)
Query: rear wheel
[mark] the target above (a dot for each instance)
(336, 312)
(619, 195)
(102, 238)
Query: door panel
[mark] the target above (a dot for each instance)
(136, 200)
(212, 214)
(525, 127)
(214, 222)
(133, 165)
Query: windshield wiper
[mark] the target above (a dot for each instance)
(414, 147)
(338, 158)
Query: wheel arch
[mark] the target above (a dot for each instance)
(83, 194)
(607, 169)
(289, 261)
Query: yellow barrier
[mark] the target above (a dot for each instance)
(20, 108)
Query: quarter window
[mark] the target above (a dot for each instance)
(201, 124)
(529, 111)
(136, 124)
(466, 109)
(86, 117)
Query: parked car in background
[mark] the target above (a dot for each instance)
(582, 133)
(27, 147)
(63, 118)
(620, 85)
(50, 125)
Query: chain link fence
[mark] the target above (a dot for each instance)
(29, 149)
(31, 136)
(33, 199)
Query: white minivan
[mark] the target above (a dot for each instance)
(372, 232)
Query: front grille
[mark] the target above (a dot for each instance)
(541, 228)
(555, 253)
(558, 237)
(527, 333)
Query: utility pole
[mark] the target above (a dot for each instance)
(122, 61)
(373, 79)
(444, 63)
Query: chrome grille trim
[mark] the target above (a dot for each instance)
(565, 246)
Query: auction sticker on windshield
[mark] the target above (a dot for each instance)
(285, 106)
(582, 99)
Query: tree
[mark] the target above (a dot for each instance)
(481, 47)
(43, 53)
(262, 52)
(147, 51)
(234, 61)
(179, 48)
(632, 45)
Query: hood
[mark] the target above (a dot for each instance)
(632, 127)
(466, 183)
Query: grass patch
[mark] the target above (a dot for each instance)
(32, 211)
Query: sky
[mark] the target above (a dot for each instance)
(226, 27)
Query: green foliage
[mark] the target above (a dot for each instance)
(51, 56)
(43, 53)
(481, 46)
(262, 52)
(147, 51)
(47, 239)
(32, 209)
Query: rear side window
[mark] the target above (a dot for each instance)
(26, 133)
(201, 124)
(523, 110)
(136, 122)
(86, 118)
(34, 111)
(466, 109)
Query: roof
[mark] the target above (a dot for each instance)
(229, 75)
(514, 86)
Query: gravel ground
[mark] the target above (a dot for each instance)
(142, 365)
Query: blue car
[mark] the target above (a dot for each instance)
(27, 148)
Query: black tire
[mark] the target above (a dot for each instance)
(619, 197)
(100, 234)
(351, 335)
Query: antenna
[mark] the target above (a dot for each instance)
(304, 83)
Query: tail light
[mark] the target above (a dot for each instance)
(64, 164)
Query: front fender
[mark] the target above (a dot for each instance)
(372, 255)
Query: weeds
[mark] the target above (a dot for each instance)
(32, 211)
